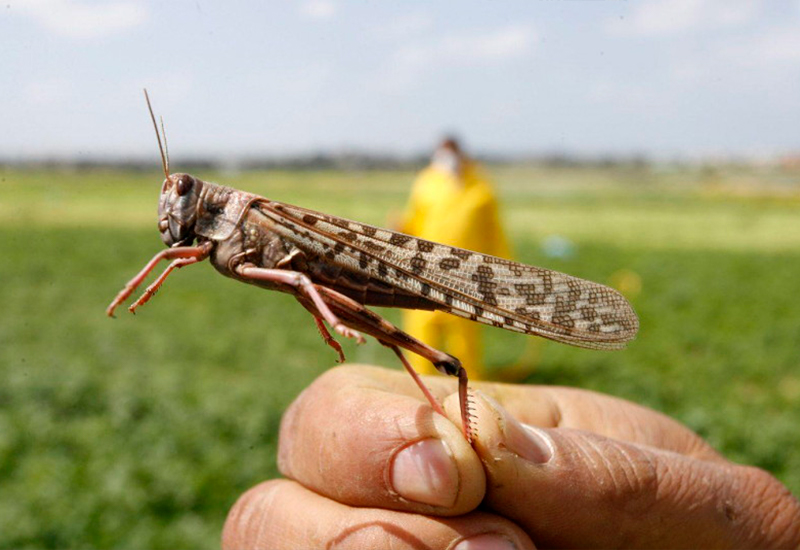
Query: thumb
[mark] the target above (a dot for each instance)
(571, 488)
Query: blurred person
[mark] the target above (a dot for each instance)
(370, 465)
(452, 202)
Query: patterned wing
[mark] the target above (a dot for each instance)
(483, 288)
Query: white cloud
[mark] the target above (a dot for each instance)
(412, 61)
(500, 45)
(84, 20)
(670, 17)
(404, 26)
(318, 9)
(779, 44)
(753, 53)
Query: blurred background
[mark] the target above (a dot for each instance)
(652, 146)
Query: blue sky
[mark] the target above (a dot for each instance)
(659, 77)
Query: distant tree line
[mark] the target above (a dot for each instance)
(371, 161)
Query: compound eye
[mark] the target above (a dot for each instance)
(184, 186)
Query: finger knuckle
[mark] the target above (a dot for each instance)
(631, 477)
(765, 501)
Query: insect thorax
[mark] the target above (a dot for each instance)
(220, 210)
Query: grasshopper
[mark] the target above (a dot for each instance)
(336, 267)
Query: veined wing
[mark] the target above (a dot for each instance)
(480, 287)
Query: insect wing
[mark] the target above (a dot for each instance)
(476, 286)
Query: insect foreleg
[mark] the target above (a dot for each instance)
(199, 253)
(305, 288)
(153, 288)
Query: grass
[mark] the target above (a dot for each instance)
(141, 432)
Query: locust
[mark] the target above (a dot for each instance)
(336, 267)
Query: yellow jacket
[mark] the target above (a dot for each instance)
(458, 212)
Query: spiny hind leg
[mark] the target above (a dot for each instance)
(453, 365)
(415, 375)
(359, 317)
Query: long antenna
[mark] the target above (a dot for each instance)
(164, 158)
(166, 145)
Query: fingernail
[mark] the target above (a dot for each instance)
(487, 541)
(526, 441)
(426, 472)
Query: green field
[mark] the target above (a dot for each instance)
(141, 432)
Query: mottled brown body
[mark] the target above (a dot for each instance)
(375, 266)
(336, 267)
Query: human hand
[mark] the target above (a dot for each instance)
(373, 466)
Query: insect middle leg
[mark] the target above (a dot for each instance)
(330, 340)
(303, 287)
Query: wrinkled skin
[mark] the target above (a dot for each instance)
(368, 464)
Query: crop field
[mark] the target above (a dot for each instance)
(140, 432)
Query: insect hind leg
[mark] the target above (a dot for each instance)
(452, 366)
(360, 318)
(415, 375)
